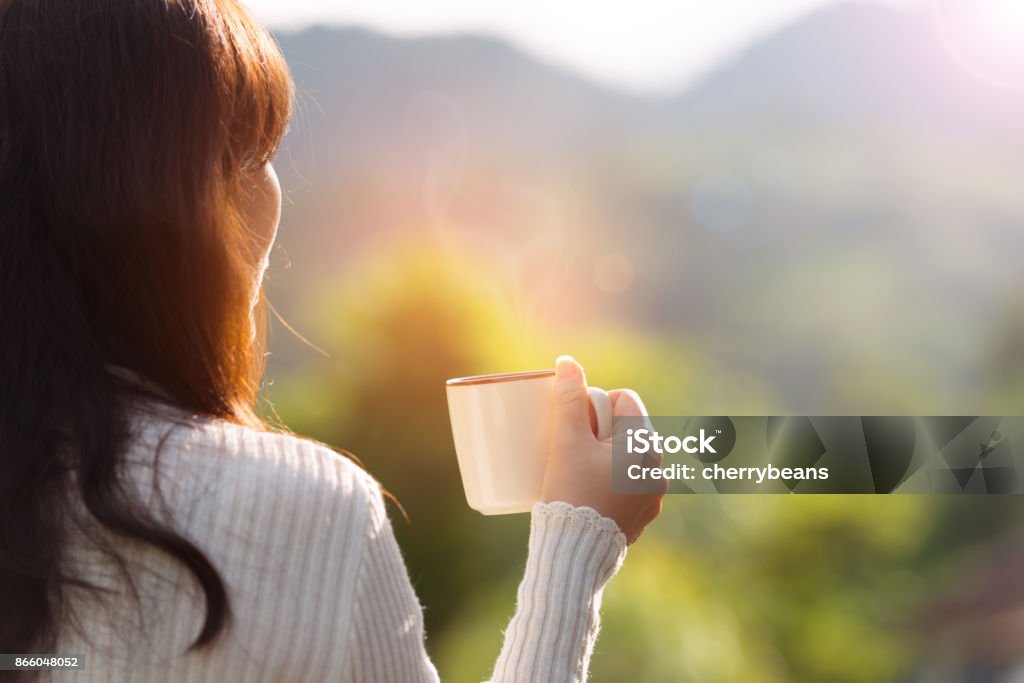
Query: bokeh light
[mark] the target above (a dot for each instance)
(985, 38)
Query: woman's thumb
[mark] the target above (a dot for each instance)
(570, 401)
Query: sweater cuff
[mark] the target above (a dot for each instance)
(593, 542)
(573, 553)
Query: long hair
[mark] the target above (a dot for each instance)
(128, 129)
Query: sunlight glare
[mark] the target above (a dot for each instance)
(985, 38)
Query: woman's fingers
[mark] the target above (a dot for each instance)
(626, 403)
(570, 401)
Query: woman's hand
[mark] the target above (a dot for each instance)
(579, 468)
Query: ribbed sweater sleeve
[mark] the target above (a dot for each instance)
(573, 552)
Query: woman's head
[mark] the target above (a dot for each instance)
(137, 205)
(133, 134)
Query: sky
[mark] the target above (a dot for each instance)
(643, 45)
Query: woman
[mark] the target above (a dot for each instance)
(148, 519)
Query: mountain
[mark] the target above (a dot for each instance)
(357, 83)
(849, 63)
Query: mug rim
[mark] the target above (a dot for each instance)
(476, 380)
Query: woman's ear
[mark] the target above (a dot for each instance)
(260, 209)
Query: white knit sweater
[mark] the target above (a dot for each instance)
(317, 584)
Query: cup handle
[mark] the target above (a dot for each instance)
(602, 411)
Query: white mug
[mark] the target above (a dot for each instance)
(499, 423)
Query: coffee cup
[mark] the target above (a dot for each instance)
(499, 425)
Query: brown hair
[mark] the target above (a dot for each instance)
(127, 131)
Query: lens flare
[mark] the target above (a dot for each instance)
(985, 38)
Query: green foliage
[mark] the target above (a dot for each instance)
(722, 589)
